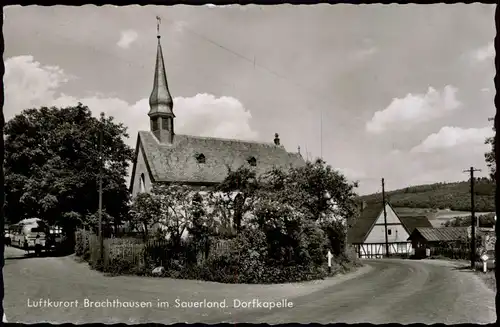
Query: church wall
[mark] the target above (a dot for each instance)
(140, 169)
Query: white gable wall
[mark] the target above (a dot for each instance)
(140, 168)
(398, 232)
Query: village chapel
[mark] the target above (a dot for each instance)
(161, 156)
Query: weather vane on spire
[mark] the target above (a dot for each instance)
(158, 22)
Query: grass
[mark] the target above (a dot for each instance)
(440, 257)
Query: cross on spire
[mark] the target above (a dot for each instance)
(158, 22)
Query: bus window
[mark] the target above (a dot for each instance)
(37, 230)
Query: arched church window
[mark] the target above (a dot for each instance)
(165, 123)
(154, 124)
(142, 184)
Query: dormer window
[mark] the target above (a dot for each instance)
(200, 158)
(252, 161)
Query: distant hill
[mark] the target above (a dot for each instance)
(453, 196)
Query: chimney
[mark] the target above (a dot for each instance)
(276, 139)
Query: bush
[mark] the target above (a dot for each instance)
(243, 259)
(314, 243)
(82, 246)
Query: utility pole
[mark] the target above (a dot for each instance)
(471, 171)
(101, 162)
(385, 220)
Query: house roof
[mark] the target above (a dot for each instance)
(359, 231)
(177, 162)
(412, 222)
(442, 234)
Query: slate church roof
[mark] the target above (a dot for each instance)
(189, 159)
(177, 162)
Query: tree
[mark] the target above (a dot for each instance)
(282, 225)
(490, 156)
(317, 190)
(51, 165)
(2, 201)
(321, 194)
(182, 208)
(487, 220)
(238, 189)
(145, 212)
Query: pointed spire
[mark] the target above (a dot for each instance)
(160, 101)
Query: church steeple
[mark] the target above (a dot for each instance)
(160, 102)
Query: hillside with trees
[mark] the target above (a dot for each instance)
(453, 196)
(487, 220)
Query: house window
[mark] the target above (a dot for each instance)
(154, 124)
(200, 158)
(402, 248)
(389, 232)
(252, 161)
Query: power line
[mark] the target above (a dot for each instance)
(255, 64)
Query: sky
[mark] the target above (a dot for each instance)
(400, 92)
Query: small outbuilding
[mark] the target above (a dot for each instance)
(427, 240)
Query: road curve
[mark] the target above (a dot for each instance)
(385, 291)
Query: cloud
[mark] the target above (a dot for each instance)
(484, 53)
(365, 53)
(29, 84)
(414, 109)
(180, 25)
(351, 173)
(450, 137)
(127, 38)
(202, 114)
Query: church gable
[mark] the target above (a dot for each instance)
(141, 180)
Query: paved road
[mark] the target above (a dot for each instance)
(384, 291)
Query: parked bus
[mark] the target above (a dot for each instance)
(29, 234)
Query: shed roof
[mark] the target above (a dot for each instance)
(177, 162)
(441, 234)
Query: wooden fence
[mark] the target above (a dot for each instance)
(459, 253)
(133, 250)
